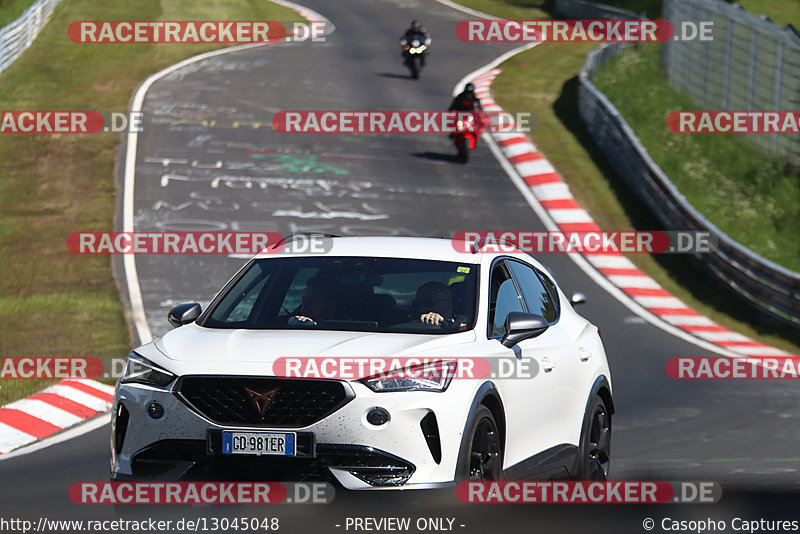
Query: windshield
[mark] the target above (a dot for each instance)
(349, 293)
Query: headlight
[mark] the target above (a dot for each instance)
(139, 370)
(433, 376)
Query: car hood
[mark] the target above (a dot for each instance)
(193, 349)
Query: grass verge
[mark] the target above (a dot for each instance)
(543, 80)
(53, 303)
(780, 11)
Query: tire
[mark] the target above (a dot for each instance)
(463, 150)
(414, 67)
(595, 450)
(482, 459)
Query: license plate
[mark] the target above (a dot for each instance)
(271, 443)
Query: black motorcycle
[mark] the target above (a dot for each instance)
(412, 55)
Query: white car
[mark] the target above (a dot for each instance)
(207, 399)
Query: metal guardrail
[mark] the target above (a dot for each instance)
(16, 37)
(769, 287)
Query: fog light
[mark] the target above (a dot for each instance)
(377, 416)
(155, 410)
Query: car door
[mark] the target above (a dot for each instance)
(564, 355)
(528, 400)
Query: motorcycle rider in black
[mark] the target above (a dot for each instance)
(466, 100)
(417, 31)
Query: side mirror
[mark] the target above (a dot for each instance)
(521, 326)
(184, 314)
(577, 298)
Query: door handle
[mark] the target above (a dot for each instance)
(547, 364)
(584, 354)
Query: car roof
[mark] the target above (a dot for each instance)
(439, 249)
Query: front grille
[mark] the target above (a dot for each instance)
(193, 460)
(164, 456)
(235, 400)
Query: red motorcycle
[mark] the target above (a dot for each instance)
(466, 137)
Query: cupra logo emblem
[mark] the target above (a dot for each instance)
(261, 400)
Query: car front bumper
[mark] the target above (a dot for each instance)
(417, 448)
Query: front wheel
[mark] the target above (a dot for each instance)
(483, 460)
(414, 64)
(463, 149)
(596, 442)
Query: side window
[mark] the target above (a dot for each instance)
(538, 298)
(551, 290)
(503, 299)
(236, 307)
(294, 295)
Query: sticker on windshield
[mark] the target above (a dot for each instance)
(462, 270)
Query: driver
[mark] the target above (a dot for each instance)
(318, 304)
(434, 306)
